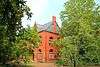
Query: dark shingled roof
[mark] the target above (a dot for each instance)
(47, 27)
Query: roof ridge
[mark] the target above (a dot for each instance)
(47, 27)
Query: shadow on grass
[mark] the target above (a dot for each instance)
(15, 65)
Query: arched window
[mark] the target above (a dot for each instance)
(50, 37)
(40, 50)
(51, 50)
(50, 40)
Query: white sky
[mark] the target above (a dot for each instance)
(43, 10)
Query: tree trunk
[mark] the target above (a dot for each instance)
(74, 62)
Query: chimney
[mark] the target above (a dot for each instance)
(54, 23)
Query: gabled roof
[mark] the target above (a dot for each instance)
(47, 27)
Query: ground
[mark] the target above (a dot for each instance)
(44, 64)
(54, 65)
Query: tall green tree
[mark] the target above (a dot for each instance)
(78, 42)
(11, 13)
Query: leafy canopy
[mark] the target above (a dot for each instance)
(78, 41)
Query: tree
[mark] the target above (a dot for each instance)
(77, 31)
(11, 12)
(27, 40)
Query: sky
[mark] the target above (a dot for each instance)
(43, 10)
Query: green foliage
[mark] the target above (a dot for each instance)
(29, 34)
(79, 39)
(59, 63)
(26, 41)
(11, 12)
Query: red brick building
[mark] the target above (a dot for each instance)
(48, 32)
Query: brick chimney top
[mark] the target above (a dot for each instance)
(54, 23)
